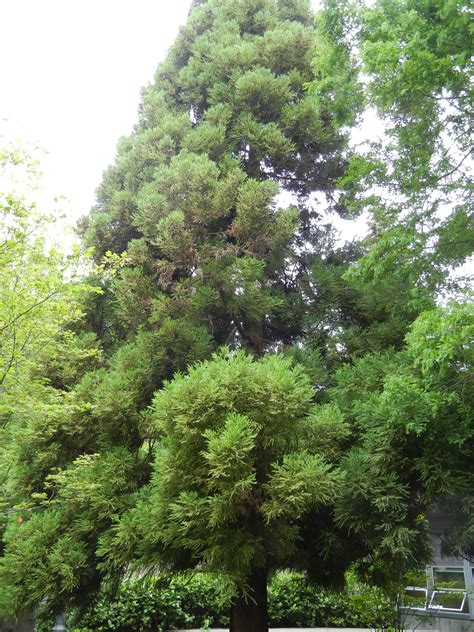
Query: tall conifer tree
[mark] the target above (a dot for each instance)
(227, 125)
(197, 248)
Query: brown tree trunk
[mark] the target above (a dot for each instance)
(251, 614)
(253, 337)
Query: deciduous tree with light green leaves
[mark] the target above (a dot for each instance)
(39, 308)
(416, 184)
(36, 300)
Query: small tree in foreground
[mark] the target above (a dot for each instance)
(242, 458)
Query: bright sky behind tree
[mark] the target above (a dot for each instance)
(70, 81)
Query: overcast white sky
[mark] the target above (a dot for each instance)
(70, 79)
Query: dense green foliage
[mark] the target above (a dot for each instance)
(413, 411)
(340, 407)
(193, 196)
(416, 183)
(36, 302)
(240, 462)
(39, 305)
(194, 602)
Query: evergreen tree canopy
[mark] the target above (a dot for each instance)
(193, 197)
(241, 460)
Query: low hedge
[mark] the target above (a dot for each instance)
(160, 604)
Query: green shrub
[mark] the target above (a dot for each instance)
(294, 602)
(156, 605)
(184, 602)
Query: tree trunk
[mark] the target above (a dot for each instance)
(253, 337)
(251, 615)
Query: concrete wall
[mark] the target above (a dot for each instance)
(438, 624)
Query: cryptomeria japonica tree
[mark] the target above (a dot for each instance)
(199, 250)
(244, 455)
